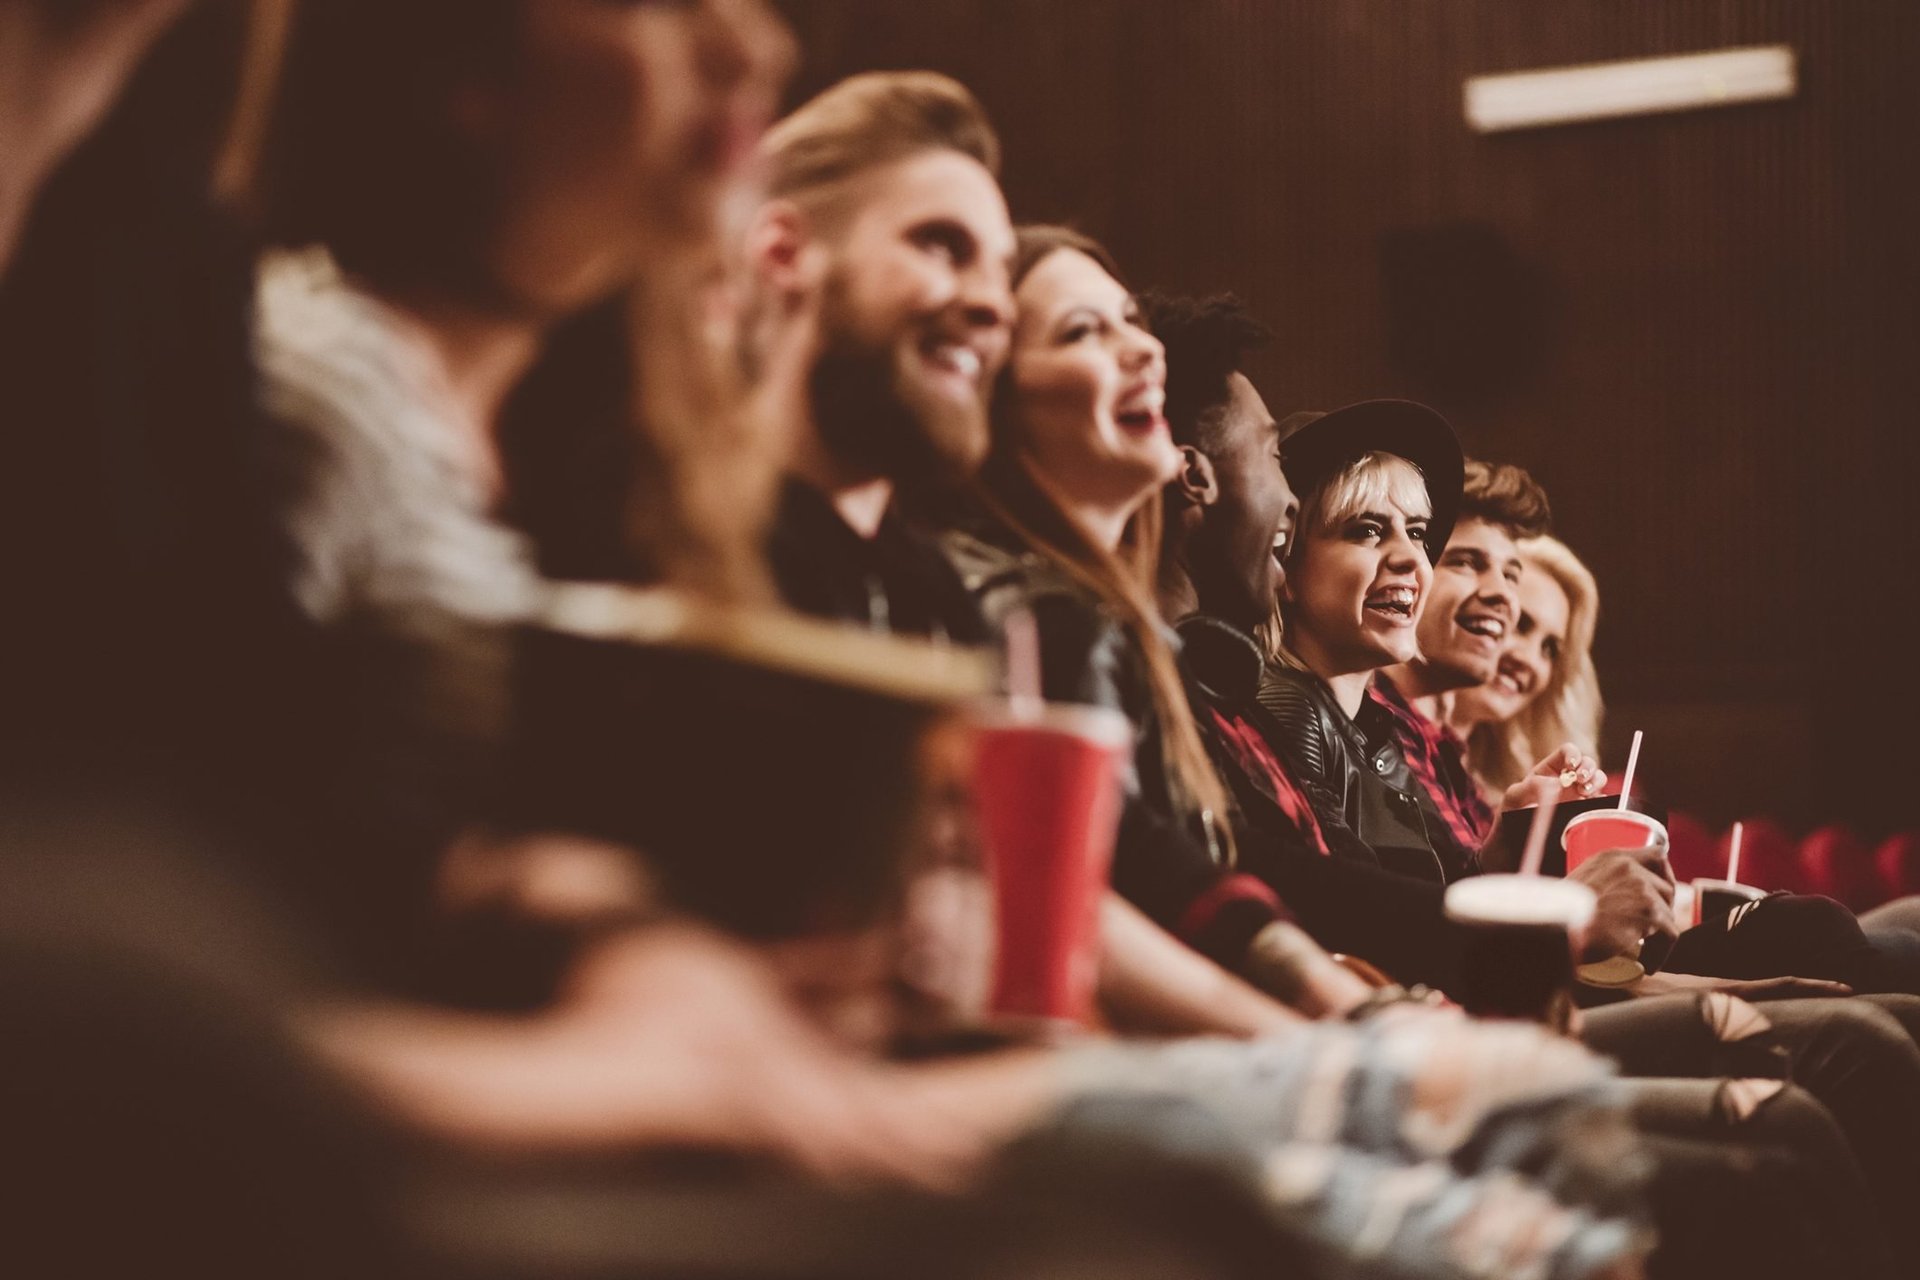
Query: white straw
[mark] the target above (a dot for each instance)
(1536, 847)
(1633, 762)
(1733, 852)
(1023, 660)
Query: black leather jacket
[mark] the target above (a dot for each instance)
(1353, 772)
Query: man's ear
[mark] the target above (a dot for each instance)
(1196, 481)
(777, 244)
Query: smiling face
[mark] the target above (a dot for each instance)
(1473, 606)
(1087, 386)
(1530, 656)
(1235, 552)
(1359, 574)
(916, 318)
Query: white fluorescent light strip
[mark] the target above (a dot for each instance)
(1638, 87)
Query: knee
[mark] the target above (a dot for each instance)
(1859, 1036)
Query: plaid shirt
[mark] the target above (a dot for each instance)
(1438, 759)
(1254, 756)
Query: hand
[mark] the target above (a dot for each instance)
(1784, 988)
(1634, 888)
(667, 1037)
(1566, 775)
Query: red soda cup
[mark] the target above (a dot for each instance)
(1601, 829)
(1047, 795)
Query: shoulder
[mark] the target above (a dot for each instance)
(1297, 705)
(1004, 577)
(1086, 654)
(377, 482)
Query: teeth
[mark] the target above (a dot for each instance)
(964, 361)
(1147, 402)
(1492, 628)
(1393, 597)
(1280, 540)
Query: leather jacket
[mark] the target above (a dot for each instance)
(1353, 771)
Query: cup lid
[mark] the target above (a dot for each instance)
(1512, 899)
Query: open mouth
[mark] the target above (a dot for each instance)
(1142, 411)
(956, 358)
(1395, 604)
(1281, 538)
(1486, 626)
(1513, 679)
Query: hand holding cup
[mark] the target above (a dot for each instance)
(1634, 890)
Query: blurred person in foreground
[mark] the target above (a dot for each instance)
(179, 1041)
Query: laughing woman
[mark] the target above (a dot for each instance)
(1380, 484)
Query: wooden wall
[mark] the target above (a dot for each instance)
(1702, 332)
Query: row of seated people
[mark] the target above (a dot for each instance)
(289, 483)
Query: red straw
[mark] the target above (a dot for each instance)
(1633, 762)
(1536, 847)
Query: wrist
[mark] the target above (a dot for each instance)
(1286, 963)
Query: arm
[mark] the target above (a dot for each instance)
(671, 1037)
(1152, 982)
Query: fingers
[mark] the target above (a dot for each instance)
(1793, 989)
(1652, 859)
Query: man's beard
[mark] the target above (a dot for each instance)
(875, 418)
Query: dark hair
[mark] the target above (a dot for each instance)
(1505, 495)
(362, 152)
(1207, 341)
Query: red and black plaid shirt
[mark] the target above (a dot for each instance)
(1256, 759)
(1438, 759)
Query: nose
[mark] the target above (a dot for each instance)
(1404, 555)
(1500, 595)
(986, 295)
(1144, 353)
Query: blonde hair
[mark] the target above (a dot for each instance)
(1568, 708)
(867, 121)
(1014, 489)
(1369, 483)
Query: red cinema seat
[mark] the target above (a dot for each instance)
(1898, 862)
(1839, 864)
(1692, 850)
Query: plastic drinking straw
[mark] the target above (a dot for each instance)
(1733, 852)
(1536, 847)
(1633, 762)
(1023, 661)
